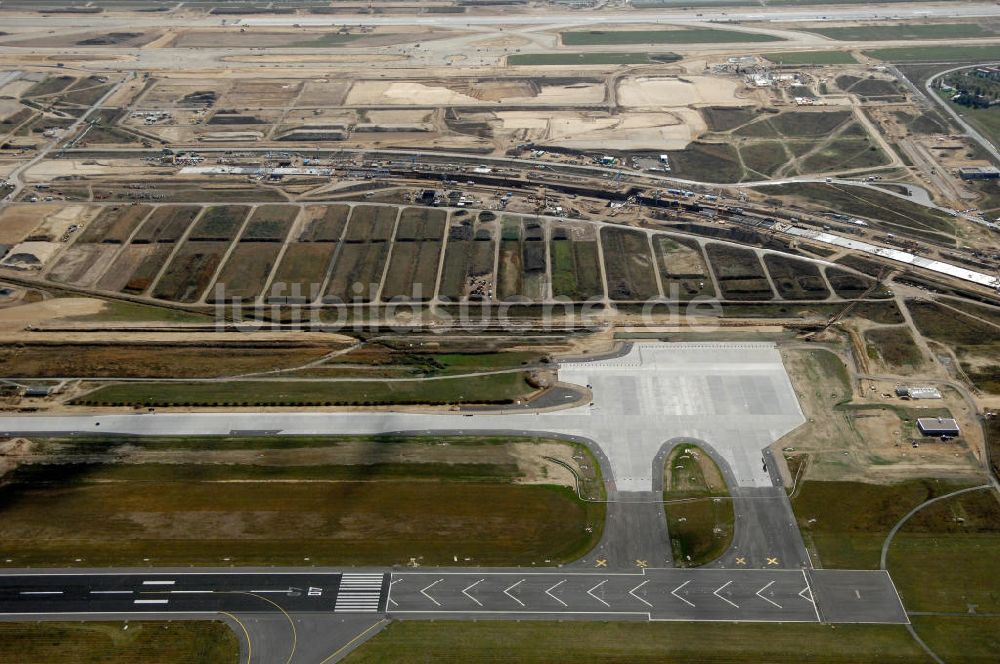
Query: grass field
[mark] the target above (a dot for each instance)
(700, 516)
(897, 32)
(957, 54)
(285, 501)
(130, 312)
(532, 642)
(987, 120)
(628, 264)
(679, 36)
(944, 558)
(711, 162)
(811, 58)
(562, 59)
(795, 279)
(845, 523)
(894, 346)
(867, 203)
(149, 642)
(575, 272)
(976, 343)
(159, 361)
(960, 639)
(497, 388)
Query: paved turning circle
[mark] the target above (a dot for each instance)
(654, 594)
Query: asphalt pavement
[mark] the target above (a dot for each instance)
(781, 595)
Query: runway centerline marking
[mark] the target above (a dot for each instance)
(549, 592)
(716, 593)
(591, 592)
(424, 592)
(674, 593)
(770, 601)
(632, 593)
(507, 592)
(466, 592)
(41, 592)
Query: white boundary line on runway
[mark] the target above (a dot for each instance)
(528, 613)
(812, 595)
(901, 605)
(143, 573)
(207, 614)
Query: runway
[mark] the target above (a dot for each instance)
(192, 592)
(750, 595)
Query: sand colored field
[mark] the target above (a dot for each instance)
(54, 220)
(224, 136)
(661, 131)
(9, 107)
(54, 168)
(31, 255)
(17, 221)
(259, 93)
(121, 270)
(576, 93)
(16, 88)
(168, 93)
(323, 92)
(655, 91)
(82, 264)
(37, 312)
(321, 58)
(375, 93)
(400, 117)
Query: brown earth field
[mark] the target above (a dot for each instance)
(145, 272)
(114, 224)
(371, 222)
(82, 264)
(301, 272)
(221, 222)
(120, 272)
(628, 264)
(412, 270)
(683, 267)
(167, 223)
(323, 223)
(270, 223)
(358, 263)
(190, 271)
(246, 271)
